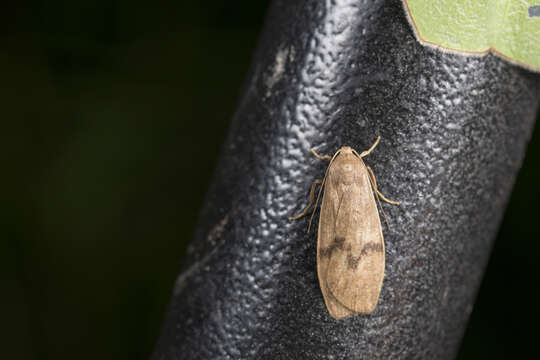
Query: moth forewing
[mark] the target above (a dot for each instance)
(350, 262)
(350, 245)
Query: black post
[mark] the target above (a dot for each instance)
(327, 74)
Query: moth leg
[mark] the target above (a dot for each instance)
(379, 194)
(311, 200)
(366, 152)
(322, 157)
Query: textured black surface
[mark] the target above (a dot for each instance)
(327, 74)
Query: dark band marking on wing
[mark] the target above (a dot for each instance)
(353, 261)
(337, 243)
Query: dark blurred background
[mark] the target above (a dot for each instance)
(113, 114)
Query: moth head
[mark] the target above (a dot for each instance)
(345, 166)
(346, 150)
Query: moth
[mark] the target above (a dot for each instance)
(350, 244)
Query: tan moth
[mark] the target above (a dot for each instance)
(350, 244)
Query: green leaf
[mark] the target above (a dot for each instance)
(507, 28)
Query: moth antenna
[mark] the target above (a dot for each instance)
(320, 190)
(316, 202)
(382, 210)
(373, 183)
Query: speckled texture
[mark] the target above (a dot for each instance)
(327, 74)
